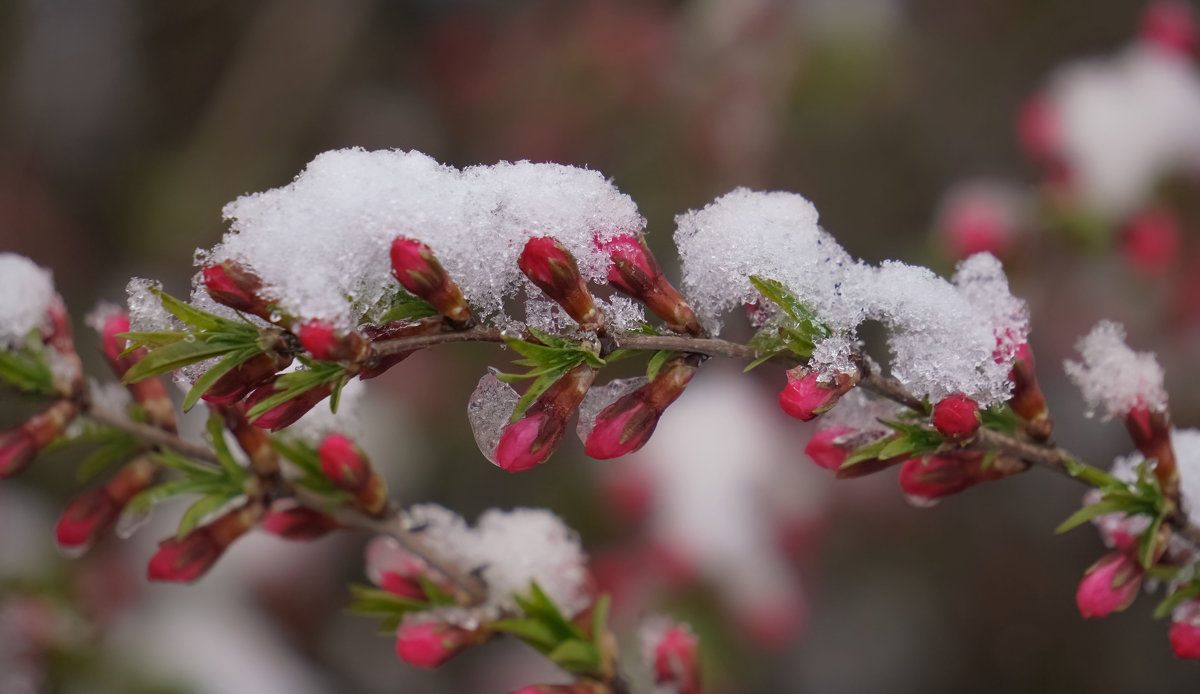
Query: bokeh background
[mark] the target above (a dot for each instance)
(126, 125)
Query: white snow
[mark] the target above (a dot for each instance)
(1114, 378)
(321, 243)
(1126, 121)
(26, 292)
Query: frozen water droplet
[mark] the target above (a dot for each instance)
(131, 520)
(276, 316)
(600, 397)
(488, 410)
(73, 552)
(920, 501)
(189, 338)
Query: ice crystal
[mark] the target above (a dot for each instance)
(26, 292)
(1114, 378)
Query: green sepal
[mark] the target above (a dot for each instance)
(574, 655)
(231, 361)
(374, 602)
(191, 485)
(1000, 418)
(1087, 513)
(656, 362)
(198, 510)
(296, 383)
(233, 472)
(27, 372)
(407, 307)
(532, 631)
(1169, 603)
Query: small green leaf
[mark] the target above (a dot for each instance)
(868, 451)
(1168, 605)
(901, 445)
(1000, 418)
(173, 356)
(1147, 541)
(763, 359)
(574, 655)
(535, 389)
(193, 485)
(407, 307)
(206, 381)
(369, 602)
(600, 620)
(989, 457)
(1087, 513)
(172, 460)
(195, 317)
(434, 592)
(119, 448)
(656, 362)
(216, 433)
(295, 383)
(198, 510)
(531, 631)
(26, 372)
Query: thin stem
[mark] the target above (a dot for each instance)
(480, 333)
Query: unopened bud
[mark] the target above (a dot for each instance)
(805, 396)
(1150, 241)
(552, 268)
(1185, 629)
(324, 343)
(1039, 130)
(1170, 26)
(92, 513)
(292, 522)
(1151, 433)
(927, 479)
(626, 425)
(244, 378)
(635, 272)
(347, 467)
(20, 445)
(429, 644)
(531, 439)
(187, 559)
(956, 417)
(285, 414)
(232, 285)
(1110, 585)
(418, 271)
(672, 652)
(1027, 399)
(393, 568)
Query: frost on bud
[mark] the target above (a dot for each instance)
(805, 396)
(552, 268)
(232, 285)
(20, 445)
(956, 417)
(1170, 26)
(345, 464)
(1110, 585)
(1027, 399)
(184, 560)
(626, 425)
(393, 568)
(670, 649)
(418, 271)
(92, 513)
(925, 480)
(285, 414)
(635, 272)
(1185, 630)
(531, 439)
(1150, 241)
(294, 522)
(429, 644)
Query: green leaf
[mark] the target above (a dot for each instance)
(206, 381)
(779, 295)
(408, 307)
(535, 389)
(295, 383)
(1147, 541)
(216, 433)
(600, 620)
(172, 460)
(198, 510)
(300, 453)
(901, 445)
(539, 353)
(552, 341)
(1087, 513)
(574, 655)
(195, 317)
(540, 606)
(204, 485)
(868, 451)
(118, 448)
(1168, 605)
(368, 601)
(158, 338)
(26, 372)
(434, 592)
(763, 359)
(174, 356)
(989, 457)
(656, 362)
(1000, 418)
(532, 631)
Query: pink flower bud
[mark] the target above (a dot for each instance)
(20, 445)
(1027, 399)
(1150, 241)
(1170, 26)
(1110, 585)
(298, 523)
(530, 440)
(635, 272)
(232, 285)
(626, 425)
(429, 644)
(92, 513)
(552, 268)
(284, 415)
(398, 571)
(252, 373)
(927, 479)
(956, 417)
(112, 346)
(345, 464)
(185, 560)
(17, 451)
(1038, 129)
(418, 271)
(1185, 630)
(976, 220)
(323, 343)
(1151, 433)
(674, 659)
(825, 450)
(805, 396)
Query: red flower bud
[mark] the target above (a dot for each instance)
(635, 272)
(398, 571)
(17, 451)
(113, 346)
(244, 378)
(530, 440)
(1038, 129)
(20, 445)
(298, 522)
(323, 343)
(1185, 630)
(825, 450)
(429, 644)
(284, 415)
(805, 396)
(92, 513)
(1170, 25)
(956, 417)
(185, 560)
(1110, 585)
(232, 285)
(674, 659)
(626, 425)
(552, 268)
(1027, 399)
(927, 479)
(416, 268)
(1151, 433)
(347, 467)
(1150, 241)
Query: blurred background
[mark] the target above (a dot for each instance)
(921, 129)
